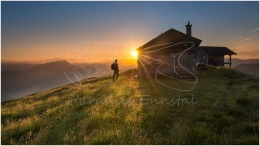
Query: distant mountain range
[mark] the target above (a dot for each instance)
(16, 66)
(236, 62)
(18, 83)
(247, 66)
(19, 80)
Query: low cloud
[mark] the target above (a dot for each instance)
(250, 37)
(240, 37)
(246, 54)
(255, 30)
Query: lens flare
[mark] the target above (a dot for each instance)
(135, 53)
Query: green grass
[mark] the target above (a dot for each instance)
(224, 110)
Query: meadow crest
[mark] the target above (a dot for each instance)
(222, 108)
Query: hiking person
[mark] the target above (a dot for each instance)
(114, 67)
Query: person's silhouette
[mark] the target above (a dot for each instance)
(116, 70)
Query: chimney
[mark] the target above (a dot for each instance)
(188, 29)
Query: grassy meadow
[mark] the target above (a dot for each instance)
(223, 108)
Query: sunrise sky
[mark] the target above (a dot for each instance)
(103, 31)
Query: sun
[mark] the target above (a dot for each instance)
(134, 53)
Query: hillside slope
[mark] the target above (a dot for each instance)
(250, 69)
(221, 109)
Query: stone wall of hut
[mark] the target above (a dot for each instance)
(168, 63)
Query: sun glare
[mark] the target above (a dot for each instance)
(135, 53)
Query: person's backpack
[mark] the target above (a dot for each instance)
(112, 66)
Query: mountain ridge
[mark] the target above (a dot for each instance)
(17, 84)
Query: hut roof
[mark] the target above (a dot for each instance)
(170, 37)
(212, 50)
